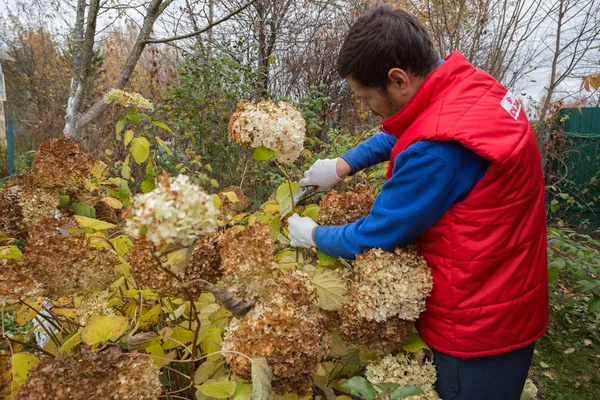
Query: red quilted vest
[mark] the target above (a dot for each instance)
(487, 253)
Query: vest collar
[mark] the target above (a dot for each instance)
(454, 68)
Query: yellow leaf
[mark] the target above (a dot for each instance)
(214, 183)
(25, 314)
(67, 312)
(99, 170)
(216, 201)
(63, 301)
(181, 335)
(140, 149)
(158, 351)
(220, 390)
(211, 342)
(231, 196)
(112, 202)
(96, 224)
(51, 347)
(128, 137)
(121, 244)
(68, 345)
(271, 208)
(21, 365)
(150, 318)
(10, 252)
(332, 290)
(103, 329)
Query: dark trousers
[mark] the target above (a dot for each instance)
(500, 377)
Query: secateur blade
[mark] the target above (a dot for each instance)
(304, 191)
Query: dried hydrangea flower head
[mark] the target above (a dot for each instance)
(403, 369)
(390, 284)
(279, 127)
(100, 375)
(177, 212)
(94, 303)
(128, 100)
(23, 206)
(61, 258)
(204, 264)
(14, 280)
(290, 335)
(57, 161)
(380, 337)
(339, 208)
(247, 259)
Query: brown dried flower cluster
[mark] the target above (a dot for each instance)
(61, 259)
(57, 161)
(291, 335)
(379, 336)
(390, 284)
(14, 279)
(23, 205)
(204, 264)
(228, 208)
(247, 259)
(102, 375)
(339, 208)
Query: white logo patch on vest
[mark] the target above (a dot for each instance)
(511, 105)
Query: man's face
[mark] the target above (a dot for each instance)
(386, 103)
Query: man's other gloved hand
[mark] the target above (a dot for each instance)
(301, 231)
(322, 174)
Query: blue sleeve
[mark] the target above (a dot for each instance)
(428, 178)
(372, 151)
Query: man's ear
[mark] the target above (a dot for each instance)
(399, 80)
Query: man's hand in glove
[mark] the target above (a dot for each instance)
(301, 231)
(326, 173)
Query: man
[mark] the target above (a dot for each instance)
(465, 184)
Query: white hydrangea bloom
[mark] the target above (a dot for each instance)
(126, 99)
(276, 126)
(404, 370)
(176, 212)
(391, 284)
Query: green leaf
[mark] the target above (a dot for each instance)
(119, 128)
(96, 224)
(262, 153)
(219, 390)
(554, 205)
(211, 341)
(135, 118)
(162, 125)
(231, 196)
(326, 260)
(22, 363)
(415, 343)
(271, 60)
(332, 290)
(128, 137)
(312, 211)
(406, 391)
(359, 386)
(103, 328)
(285, 198)
(243, 391)
(275, 226)
(83, 209)
(140, 149)
(63, 200)
(126, 170)
(148, 185)
(262, 376)
(387, 388)
(214, 183)
(594, 304)
(163, 145)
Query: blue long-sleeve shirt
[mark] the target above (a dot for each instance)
(427, 179)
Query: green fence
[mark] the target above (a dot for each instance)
(582, 162)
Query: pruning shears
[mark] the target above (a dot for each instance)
(304, 191)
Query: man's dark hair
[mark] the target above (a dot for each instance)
(383, 39)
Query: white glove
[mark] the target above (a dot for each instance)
(322, 174)
(301, 231)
